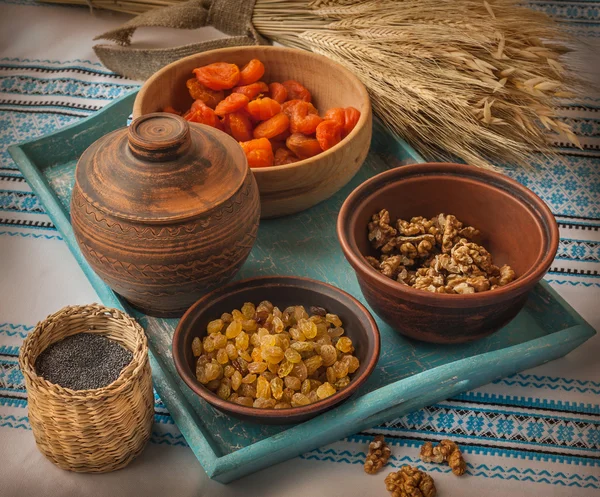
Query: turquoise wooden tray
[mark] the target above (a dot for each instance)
(409, 374)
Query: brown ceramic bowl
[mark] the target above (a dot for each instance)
(294, 187)
(517, 228)
(282, 291)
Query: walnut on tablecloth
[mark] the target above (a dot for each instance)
(439, 255)
(410, 482)
(378, 455)
(446, 451)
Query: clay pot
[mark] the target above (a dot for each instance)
(164, 212)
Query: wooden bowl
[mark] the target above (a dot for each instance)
(282, 291)
(517, 228)
(294, 187)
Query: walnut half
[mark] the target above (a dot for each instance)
(410, 482)
(445, 451)
(378, 455)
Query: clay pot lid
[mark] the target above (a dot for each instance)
(161, 169)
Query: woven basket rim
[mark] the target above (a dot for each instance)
(130, 372)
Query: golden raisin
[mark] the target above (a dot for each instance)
(263, 388)
(292, 355)
(222, 357)
(242, 341)
(224, 390)
(219, 340)
(292, 382)
(273, 355)
(258, 367)
(299, 399)
(249, 378)
(215, 326)
(313, 363)
(333, 319)
(197, 347)
(328, 354)
(244, 401)
(325, 390)
(277, 388)
(344, 344)
(236, 380)
(234, 329)
(285, 368)
(340, 369)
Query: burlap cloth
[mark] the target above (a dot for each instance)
(233, 17)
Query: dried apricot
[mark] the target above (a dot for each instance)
(218, 76)
(232, 103)
(201, 113)
(258, 152)
(278, 92)
(251, 72)
(329, 133)
(282, 137)
(171, 110)
(240, 126)
(351, 117)
(284, 155)
(336, 114)
(289, 107)
(302, 119)
(252, 90)
(303, 146)
(200, 92)
(272, 127)
(262, 109)
(296, 91)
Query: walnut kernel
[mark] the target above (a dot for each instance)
(378, 455)
(410, 482)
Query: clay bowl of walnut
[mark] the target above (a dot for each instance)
(446, 253)
(314, 175)
(276, 349)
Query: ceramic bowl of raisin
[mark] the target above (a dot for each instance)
(515, 226)
(303, 321)
(289, 187)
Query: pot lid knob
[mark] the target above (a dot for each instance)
(159, 137)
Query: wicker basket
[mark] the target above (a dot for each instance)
(97, 430)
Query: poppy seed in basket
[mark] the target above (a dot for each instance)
(83, 361)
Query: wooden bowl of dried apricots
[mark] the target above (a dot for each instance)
(303, 120)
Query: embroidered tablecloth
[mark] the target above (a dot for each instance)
(534, 433)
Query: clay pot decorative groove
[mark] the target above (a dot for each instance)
(164, 212)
